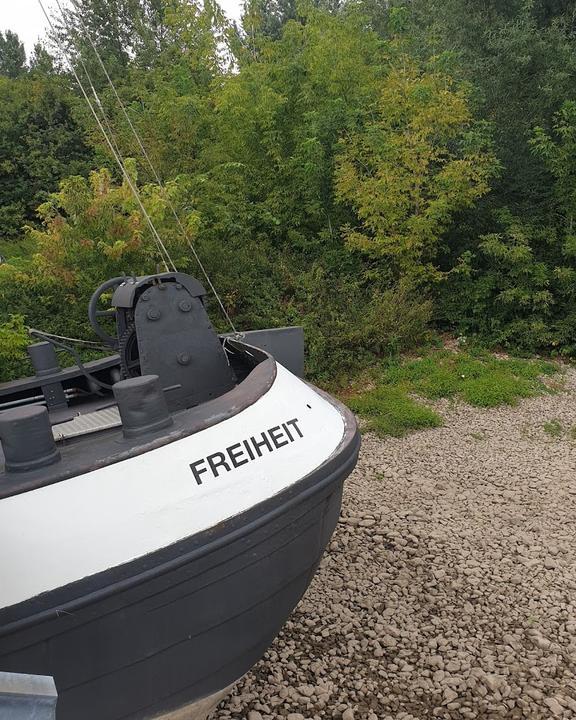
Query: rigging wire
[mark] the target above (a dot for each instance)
(146, 156)
(165, 255)
(72, 351)
(78, 341)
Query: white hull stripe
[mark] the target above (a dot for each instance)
(64, 532)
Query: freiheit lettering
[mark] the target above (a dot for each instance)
(248, 450)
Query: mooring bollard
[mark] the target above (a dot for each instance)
(27, 697)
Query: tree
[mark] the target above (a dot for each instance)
(558, 153)
(108, 25)
(519, 59)
(12, 55)
(40, 142)
(126, 34)
(267, 18)
(92, 229)
(517, 290)
(418, 159)
(176, 57)
(518, 287)
(279, 120)
(42, 62)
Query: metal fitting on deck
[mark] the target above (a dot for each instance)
(27, 439)
(142, 405)
(43, 356)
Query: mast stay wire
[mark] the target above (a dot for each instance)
(111, 140)
(164, 254)
(146, 156)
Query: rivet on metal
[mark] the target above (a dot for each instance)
(153, 314)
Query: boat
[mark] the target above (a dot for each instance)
(163, 509)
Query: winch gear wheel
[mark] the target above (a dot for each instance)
(129, 353)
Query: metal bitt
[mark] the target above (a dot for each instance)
(27, 439)
(43, 358)
(46, 364)
(142, 405)
(27, 697)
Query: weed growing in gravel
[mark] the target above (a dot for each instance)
(478, 436)
(480, 379)
(553, 428)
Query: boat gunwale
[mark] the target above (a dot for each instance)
(109, 447)
(64, 374)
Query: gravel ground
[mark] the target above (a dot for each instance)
(449, 590)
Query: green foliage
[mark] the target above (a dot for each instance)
(124, 31)
(519, 58)
(12, 55)
(409, 171)
(347, 331)
(40, 143)
(481, 380)
(13, 342)
(363, 169)
(510, 273)
(42, 63)
(267, 18)
(502, 291)
(559, 155)
(91, 230)
(518, 290)
(44, 302)
(279, 122)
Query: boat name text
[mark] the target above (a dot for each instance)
(246, 451)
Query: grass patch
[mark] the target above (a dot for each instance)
(479, 379)
(389, 410)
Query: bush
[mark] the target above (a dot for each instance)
(517, 291)
(348, 327)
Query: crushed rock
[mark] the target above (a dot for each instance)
(449, 588)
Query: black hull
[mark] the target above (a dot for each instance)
(185, 622)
